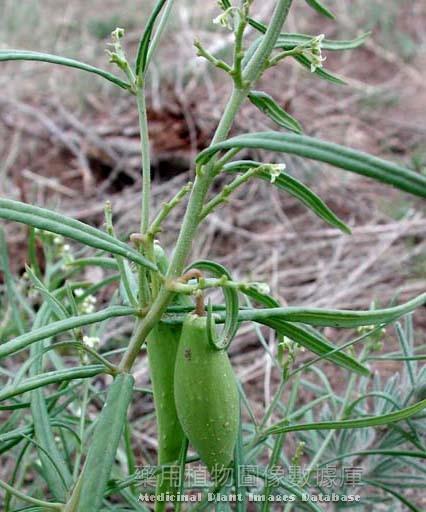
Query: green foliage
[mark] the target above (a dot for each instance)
(54, 366)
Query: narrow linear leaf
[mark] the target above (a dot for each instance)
(387, 453)
(89, 492)
(288, 41)
(45, 219)
(142, 55)
(297, 189)
(95, 261)
(25, 340)
(321, 72)
(6, 55)
(20, 433)
(334, 318)
(311, 340)
(394, 493)
(311, 316)
(59, 482)
(57, 376)
(321, 8)
(270, 107)
(327, 152)
(317, 344)
(372, 421)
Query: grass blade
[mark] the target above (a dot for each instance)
(7, 55)
(327, 152)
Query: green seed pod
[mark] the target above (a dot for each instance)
(162, 345)
(206, 395)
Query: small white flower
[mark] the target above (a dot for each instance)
(262, 288)
(92, 341)
(313, 53)
(275, 170)
(225, 19)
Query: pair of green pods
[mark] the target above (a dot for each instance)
(195, 396)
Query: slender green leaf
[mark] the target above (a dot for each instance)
(420, 357)
(297, 189)
(59, 482)
(142, 55)
(47, 331)
(371, 421)
(333, 318)
(327, 152)
(6, 55)
(270, 107)
(321, 72)
(394, 493)
(51, 221)
(290, 41)
(54, 377)
(95, 261)
(311, 340)
(320, 8)
(317, 344)
(89, 491)
(386, 453)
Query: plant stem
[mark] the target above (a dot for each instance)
(256, 64)
(146, 161)
(204, 178)
(144, 295)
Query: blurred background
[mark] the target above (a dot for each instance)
(69, 140)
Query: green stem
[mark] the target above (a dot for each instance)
(256, 64)
(202, 182)
(146, 160)
(144, 295)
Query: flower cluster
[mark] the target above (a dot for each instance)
(313, 53)
(87, 305)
